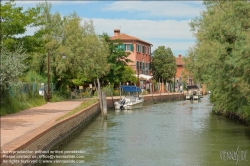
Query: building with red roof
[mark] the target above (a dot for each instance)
(140, 52)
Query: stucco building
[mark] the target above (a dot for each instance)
(180, 68)
(140, 52)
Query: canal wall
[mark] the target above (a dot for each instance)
(52, 135)
(152, 98)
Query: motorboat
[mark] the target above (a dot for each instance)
(193, 92)
(131, 100)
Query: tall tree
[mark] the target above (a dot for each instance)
(14, 22)
(12, 65)
(221, 55)
(163, 64)
(118, 60)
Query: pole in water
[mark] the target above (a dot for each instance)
(151, 91)
(104, 105)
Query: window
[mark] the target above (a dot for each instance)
(127, 47)
(143, 49)
(138, 48)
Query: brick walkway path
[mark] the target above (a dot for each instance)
(22, 124)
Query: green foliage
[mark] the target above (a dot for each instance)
(12, 65)
(128, 75)
(33, 76)
(60, 96)
(117, 60)
(76, 52)
(163, 64)
(220, 57)
(14, 22)
(19, 97)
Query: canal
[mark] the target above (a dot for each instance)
(171, 133)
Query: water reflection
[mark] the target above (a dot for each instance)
(172, 133)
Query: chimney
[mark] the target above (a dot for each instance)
(179, 55)
(116, 32)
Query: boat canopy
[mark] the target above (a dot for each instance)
(192, 87)
(127, 88)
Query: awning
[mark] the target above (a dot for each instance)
(144, 76)
(127, 88)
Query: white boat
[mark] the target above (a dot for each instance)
(193, 92)
(130, 101)
(197, 95)
(189, 95)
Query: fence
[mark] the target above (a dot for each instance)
(21, 91)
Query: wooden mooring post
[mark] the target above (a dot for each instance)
(104, 105)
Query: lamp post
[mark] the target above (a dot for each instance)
(138, 72)
(48, 78)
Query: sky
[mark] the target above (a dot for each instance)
(161, 23)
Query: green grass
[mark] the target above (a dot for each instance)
(12, 105)
(84, 104)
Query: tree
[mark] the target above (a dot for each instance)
(15, 46)
(163, 64)
(12, 65)
(14, 22)
(84, 52)
(221, 55)
(118, 60)
(128, 75)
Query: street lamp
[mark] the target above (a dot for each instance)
(138, 72)
(48, 95)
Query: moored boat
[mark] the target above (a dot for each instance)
(131, 100)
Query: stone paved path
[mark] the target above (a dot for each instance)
(23, 123)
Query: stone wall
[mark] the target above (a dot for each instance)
(57, 133)
(152, 98)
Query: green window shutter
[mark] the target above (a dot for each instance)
(131, 47)
(123, 46)
(137, 64)
(148, 66)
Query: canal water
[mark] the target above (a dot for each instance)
(181, 133)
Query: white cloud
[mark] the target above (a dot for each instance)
(168, 33)
(177, 47)
(159, 8)
(27, 3)
(170, 29)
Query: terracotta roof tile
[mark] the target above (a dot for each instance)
(179, 60)
(127, 37)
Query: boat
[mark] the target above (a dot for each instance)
(131, 100)
(193, 92)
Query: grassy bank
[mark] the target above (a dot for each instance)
(243, 119)
(11, 105)
(86, 103)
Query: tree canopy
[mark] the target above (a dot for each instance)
(220, 57)
(118, 61)
(163, 64)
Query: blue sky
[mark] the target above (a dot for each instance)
(162, 23)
